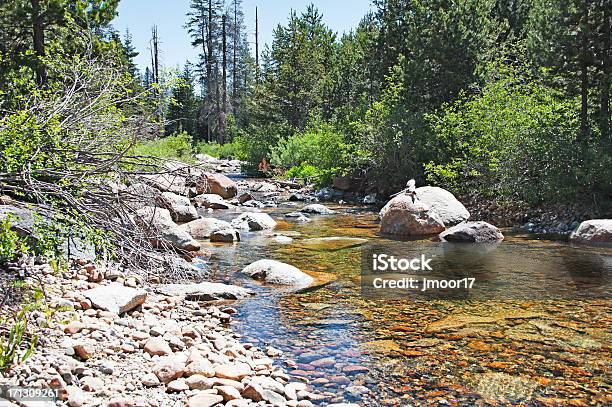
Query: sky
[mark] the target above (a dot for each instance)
(175, 45)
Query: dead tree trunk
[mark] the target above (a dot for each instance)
(38, 37)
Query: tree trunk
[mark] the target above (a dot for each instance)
(209, 57)
(256, 47)
(584, 74)
(223, 120)
(234, 52)
(605, 83)
(38, 37)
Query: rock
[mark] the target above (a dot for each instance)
(276, 272)
(121, 402)
(84, 350)
(204, 227)
(228, 393)
(253, 392)
(357, 391)
(204, 291)
(92, 384)
(150, 380)
(234, 371)
(472, 232)
(169, 369)
(264, 187)
(297, 216)
(268, 383)
(74, 327)
(212, 201)
(179, 206)
(22, 220)
(443, 204)
(157, 346)
(281, 239)
(403, 217)
(177, 386)
(245, 197)
(295, 197)
(115, 298)
(206, 158)
(596, 232)
(139, 195)
(200, 367)
(332, 243)
(167, 182)
(163, 230)
(219, 184)
(273, 397)
(204, 400)
(225, 236)
(254, 221)
(317, 209)
(199, 382)
(369, 199)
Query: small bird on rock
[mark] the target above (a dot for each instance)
(410, 190)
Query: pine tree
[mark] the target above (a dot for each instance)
(182, 109)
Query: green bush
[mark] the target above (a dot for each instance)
(255, 143)
(177, 147)
(318, 151)
(514, 140)
(227, 150)
(10, 243)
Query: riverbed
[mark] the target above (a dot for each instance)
(522, 347)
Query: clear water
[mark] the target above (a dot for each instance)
(507, 351)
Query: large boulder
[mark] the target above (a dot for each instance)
(317, 209)
(115, 298)
(219, 184)
(212, 201)
(404, 217)
(139, 195)
(444, 204)
(254, 221)
(205, 291)
(472, 232)
(167, 182)
(276, 272)
(163, 231)
(596, 232)
(22, 220)
(202, 228)
(225, 236)
(179, 206)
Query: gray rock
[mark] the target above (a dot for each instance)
(317, 209)
(276, 272)
(472, 232)
(443, 204)
(163, 231)
(225, 236)
(205, 291)
(167, 182)
(404, 217)
(369, 199)
(212, 201)
(115, 297)
(22, 219)
(179, 206)
(253, 221)
(204, 227)
(219, 184)
(596, 232)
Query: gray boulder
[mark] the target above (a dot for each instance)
(403, 217)
(115, 297)
(163, 231)
(276, 272)
(254, 221)
(205, 291)
(204, 227)
(139, 195)
(472, 232)
(212, 201)
(22, 220)
(167, 182)
(596, 232)
(219, 184)
(179, 206)
(317, 209)
(225, 236)
(444, 204)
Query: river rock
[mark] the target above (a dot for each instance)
(253, 392)
(597, 232)
(115, 297)
(202, 228)
(228, 235)
(204, 291)
(164, 231)
(168, 369)
(22, 220)
(157, 346)
(276, 272)
(472, 232)
(317, 209)
(219, 184)
(403, 217)
(179, 206)
(139, 195)
(212, 201)
(233, 371)
(167, 182)
(297, 216)
(443, 204)
(254, 221)
(204, 400)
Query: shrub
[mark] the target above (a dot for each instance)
(227, 150)
(177, 146)
(255, 143)
(514, 140)
(10, 243)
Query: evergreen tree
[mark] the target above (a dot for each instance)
(181, 115)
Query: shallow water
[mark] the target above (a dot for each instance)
(519, 348)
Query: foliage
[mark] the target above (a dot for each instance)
(10, 242)
(11, 347)
(255, 142)
(227, 150)
(177, 146)
(515, 134)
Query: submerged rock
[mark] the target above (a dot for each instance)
(317, 209)
(404, 217)
(276, 272)
(332, 243)
(597, 232)
(472, 232)
(254, 221)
